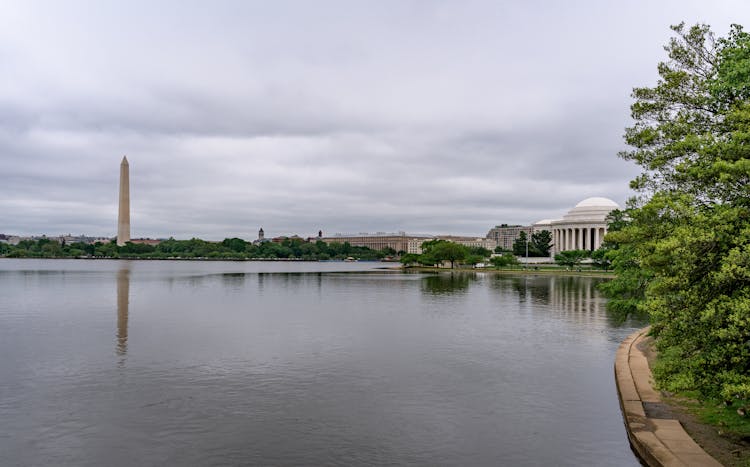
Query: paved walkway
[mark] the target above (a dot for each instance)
(658, 441)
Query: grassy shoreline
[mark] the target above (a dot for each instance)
(713, 424)
(550, 271)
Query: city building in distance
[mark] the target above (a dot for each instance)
(378, 241)
(403, 242)
(504, 235)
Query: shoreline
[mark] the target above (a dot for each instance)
(517, 272)
(390, 265)
(126, 258)
(656, 438)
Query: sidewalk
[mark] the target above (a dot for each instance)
(658, 441)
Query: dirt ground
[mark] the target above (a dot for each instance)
(722, 447)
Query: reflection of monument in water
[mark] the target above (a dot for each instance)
(123, 303)
(577, 298)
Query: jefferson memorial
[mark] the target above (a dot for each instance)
(582, 228)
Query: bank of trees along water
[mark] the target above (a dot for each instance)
(681, 249)
(230, 248)
(436, 252)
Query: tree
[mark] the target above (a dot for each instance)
(388, 251)
(409, 259)
(234, 244)
(438, 251)
(479, 251)
(519, 244)
(599, 258)
(504, 260)
(682, 252)
(541, 243)
(571, 258)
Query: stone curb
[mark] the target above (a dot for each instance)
(657, 441)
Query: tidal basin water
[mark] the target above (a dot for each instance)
(156, 363)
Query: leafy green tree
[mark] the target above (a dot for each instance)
(473, 260)
(131, 248)
(600, 259)
(409, 258)
(540, 244)
(427, 259)
(571, 258)
(234, 244)
(51, 249)
(388, 251)
(519, 244)
(682, 254)
(448, 251)
(86, 248)
(479, 251)
(504, 260)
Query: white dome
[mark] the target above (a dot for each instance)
(544, 222)
(598, 202)
(590, 210)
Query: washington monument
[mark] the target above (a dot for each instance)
(123, 218)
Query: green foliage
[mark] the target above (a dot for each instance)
(230, 248)
(505, 260)
(600, 260)
(442, 250)
(541, 243)
(473, 260)
(519, 245)
(235, 244)
(682, 250)
(409, 259)
(479, 251)
(571, 258)
(434, 252)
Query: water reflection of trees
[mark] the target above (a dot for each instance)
(289, 280)
(445, 284)
(233, 280)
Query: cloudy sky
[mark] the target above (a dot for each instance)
(421, 116)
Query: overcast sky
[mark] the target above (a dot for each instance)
(350, 116)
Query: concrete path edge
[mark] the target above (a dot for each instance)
(656, 441)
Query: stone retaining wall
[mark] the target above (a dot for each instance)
(656, 440)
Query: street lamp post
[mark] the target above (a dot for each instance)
(526, 264)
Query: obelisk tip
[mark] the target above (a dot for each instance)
(124, 160)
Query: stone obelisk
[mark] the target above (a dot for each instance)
(123, 217)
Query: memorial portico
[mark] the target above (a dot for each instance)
(583, 227)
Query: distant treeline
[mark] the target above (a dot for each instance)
(230, 248)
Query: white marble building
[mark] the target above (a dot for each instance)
(582, 228)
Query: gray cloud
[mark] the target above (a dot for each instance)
(441, 117)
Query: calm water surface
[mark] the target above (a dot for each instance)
(250, 363)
